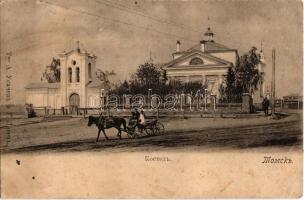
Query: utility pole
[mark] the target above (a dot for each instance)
(273, 84)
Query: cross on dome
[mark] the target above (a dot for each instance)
(78, 48)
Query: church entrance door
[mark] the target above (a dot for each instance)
(74, 103)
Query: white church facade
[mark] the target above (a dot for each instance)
(207, 62)
(78, 86)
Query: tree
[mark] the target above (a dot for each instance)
(222, 91)
(243, 78)
(104, 76)
(230, 81)
(52, 72)
(121, 88)
(174, 86)
(148, 74)
(136, 87)
(247, 73)
(192, 87)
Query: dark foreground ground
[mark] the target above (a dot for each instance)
(181, 134)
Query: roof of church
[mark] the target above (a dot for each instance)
(81, 52)
(42, 85)
(96, 84)
(159, 65)
(92, 84)
(211, 46)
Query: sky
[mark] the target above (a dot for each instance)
(124, 34)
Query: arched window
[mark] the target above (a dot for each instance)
(90, 70)
(77, 74)
(196, 61)
(70, 74)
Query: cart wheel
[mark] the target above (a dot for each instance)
(159, 129)
(133, 135)
(149, 131)
(130, 134)
(137, 132)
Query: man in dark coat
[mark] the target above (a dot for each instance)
(134, 119)
(136, 114)
(265, 105)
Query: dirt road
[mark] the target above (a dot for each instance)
(183, 134)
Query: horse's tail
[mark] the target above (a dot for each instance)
(124, 123)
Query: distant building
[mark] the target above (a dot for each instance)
(293, 97)
(78, 86)
(207, 62)
(293, 101)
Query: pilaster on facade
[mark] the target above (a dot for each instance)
(203, 78)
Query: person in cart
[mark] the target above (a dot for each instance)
(136, 114)
(134, 119)
(142, 120)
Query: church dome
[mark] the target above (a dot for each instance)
(209, 32)
(209, 35)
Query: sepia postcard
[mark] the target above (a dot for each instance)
(151, 99)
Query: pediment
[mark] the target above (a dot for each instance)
(196, 59)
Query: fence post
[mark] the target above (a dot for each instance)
(181, 101)
(214, 101)
(246, 103)
(205, 101)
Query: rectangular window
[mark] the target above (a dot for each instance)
(70, 74)
(77, 75)
(90, 70)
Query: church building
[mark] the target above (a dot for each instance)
(78, 86)
(206, 62)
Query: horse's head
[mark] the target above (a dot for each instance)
(91, 120)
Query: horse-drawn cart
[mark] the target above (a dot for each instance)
(151, 127)
(134, 129)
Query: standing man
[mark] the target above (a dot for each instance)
(265, 105)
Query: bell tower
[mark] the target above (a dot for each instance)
(77, 70)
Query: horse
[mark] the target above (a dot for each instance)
(102, 123)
